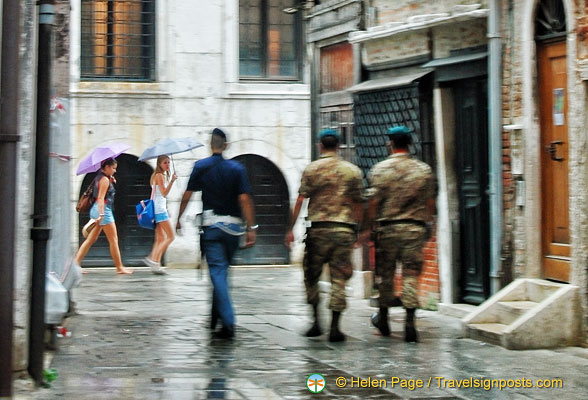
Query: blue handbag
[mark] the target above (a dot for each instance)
(146, 213)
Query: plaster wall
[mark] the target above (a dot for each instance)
(400, 10)
(24, 189)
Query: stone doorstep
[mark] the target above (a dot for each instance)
(458, 310)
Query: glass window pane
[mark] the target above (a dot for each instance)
(273, 43)
(118, 39)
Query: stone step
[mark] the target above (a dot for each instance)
(510, 311)
(538, 291)
(458, 310)
(491, 332)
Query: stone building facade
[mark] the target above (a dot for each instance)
(400, 52)
(205, 72)
(523, 216)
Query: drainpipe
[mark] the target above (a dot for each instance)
(40, 230)
(8, 149)
(495, 143)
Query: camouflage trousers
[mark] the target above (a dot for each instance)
(404, 243)
(332, 246)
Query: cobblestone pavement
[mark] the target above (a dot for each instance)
(146, 337)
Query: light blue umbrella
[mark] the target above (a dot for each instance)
(169, 146)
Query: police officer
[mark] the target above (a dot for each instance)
(334, 188)
(400, 210)
(226, 201)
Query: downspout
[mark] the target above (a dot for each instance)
(40, 230)
(495, 144)
(8, 162)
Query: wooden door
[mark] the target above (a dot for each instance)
(553, 109)
(272, 213)
(471, 128)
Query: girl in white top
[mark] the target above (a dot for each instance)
(164, 234)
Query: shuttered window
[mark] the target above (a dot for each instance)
(269, 39)
(118, 40)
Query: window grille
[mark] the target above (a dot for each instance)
(269, 39)
(340, 119)
(118, 40)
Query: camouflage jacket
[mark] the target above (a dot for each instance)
(404, 184)
(333, 186)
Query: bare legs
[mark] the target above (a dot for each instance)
(112, 237)
(164, 235)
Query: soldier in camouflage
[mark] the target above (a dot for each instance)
(334, 188)
(400, 210)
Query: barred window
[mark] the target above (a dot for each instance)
(270, 39)
(118, 40)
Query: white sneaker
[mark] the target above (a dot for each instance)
(149, 262)
(159, 271)
(155, 266)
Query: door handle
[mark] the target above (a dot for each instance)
(552, 149)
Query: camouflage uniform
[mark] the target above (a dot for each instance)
(333, 186)
(404, 185)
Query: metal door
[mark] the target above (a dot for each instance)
(472, 170)
(272, 211)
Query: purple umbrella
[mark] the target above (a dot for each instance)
(92, 162)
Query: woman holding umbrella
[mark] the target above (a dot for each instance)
(161, 185)
(101, 211)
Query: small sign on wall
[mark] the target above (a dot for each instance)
(558, 107)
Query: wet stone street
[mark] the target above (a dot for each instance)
(146, 337)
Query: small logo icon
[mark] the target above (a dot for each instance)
(315, 383)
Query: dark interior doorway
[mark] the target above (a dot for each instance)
(471, 129)
(132, 186)
(272, 210)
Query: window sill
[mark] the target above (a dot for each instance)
(266, 90)
(119, 89)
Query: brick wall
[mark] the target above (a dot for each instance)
(428, 286)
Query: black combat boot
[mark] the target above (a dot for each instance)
(213, 318)
(410, 332)
(226, 333)
(315, 329)
(336, 335)
(380, 321)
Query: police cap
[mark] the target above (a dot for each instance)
(328, 132)
(397, 132)
(218, 132)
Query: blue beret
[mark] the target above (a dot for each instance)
(219, 132)
(397, 131)
(328, 132)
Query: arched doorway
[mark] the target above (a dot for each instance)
(550, 38)
(132, 186)
(272, 210)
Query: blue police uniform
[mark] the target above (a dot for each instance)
(221, 182)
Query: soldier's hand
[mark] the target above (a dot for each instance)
(289, 239)
(429, 230)
(364, 237)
